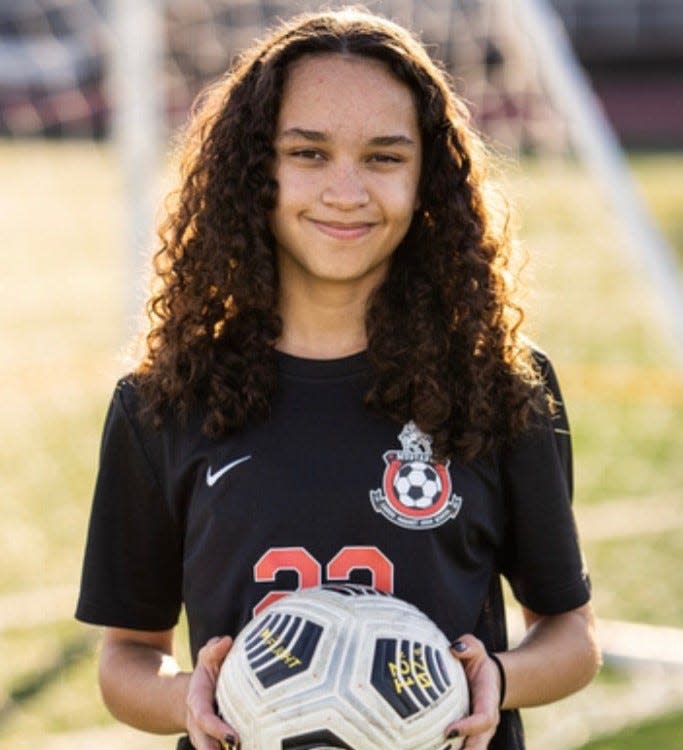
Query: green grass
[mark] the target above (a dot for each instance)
(53, 690)
(610, 466)
(639, 578)
(663, 733)
(63, 323)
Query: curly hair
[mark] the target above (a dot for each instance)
(453, 359)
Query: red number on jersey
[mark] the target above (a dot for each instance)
(276, 559)
(362, 558)
(309, 570)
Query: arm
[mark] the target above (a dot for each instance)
(558, 656)
(142, 685)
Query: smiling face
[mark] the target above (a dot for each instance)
(348, 156)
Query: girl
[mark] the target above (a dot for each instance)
(331, 306)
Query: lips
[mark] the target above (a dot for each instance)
(341, 230)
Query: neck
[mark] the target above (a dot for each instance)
(326, 325)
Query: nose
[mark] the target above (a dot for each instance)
(345, 188)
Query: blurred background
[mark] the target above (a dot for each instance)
(582, 100)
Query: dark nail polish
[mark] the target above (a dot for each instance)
(459, 646)
(452, 734)
(229, 740)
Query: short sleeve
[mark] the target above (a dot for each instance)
(543, 561)
(133, 556)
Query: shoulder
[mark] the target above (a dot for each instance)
(127, 413)
(539, 356)
(130, 438)
(546, 372)
(126, 404)
(131, 398)
(126, 393)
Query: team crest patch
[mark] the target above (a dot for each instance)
(416, 493)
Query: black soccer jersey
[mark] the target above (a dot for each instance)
(326, 491)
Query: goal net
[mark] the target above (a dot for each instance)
(56, 57)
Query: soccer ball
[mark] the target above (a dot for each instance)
(342, 666)
(417, 485)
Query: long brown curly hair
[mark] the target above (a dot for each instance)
(444, 341)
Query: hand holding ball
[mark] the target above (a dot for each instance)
(342, 666)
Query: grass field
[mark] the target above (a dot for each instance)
(64, 326)
(655, 733)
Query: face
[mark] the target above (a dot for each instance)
(348, 154)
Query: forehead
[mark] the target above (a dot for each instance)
(335, 92)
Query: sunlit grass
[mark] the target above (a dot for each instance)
(663, 733)
(617, 453)
(638, 578)
(49, 681)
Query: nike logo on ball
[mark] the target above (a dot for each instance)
(212, 478)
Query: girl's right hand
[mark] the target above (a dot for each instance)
(207, 731)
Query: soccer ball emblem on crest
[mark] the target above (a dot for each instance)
(417, 485)
(416, 491)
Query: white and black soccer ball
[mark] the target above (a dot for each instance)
(417, 485)
(342, 667)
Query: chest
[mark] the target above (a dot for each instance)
(324, 473)
(325, 491)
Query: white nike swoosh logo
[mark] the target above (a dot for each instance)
(212, 478)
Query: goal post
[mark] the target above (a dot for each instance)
(140, 132)
(598, 147)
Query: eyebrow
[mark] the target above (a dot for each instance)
(318, 136)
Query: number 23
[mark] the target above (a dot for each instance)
(309, 570)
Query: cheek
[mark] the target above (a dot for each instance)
(399, 192)
(294, 187)
(402, 201)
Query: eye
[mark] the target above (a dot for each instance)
(307, 154)
(382, 158)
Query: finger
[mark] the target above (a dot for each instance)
(208, 722)
(223, 644)
(477, 723)
(202, 742)
(467, 648)
(473, 742)
(221, 648)
(213, 653)
(215, 727)
(216, 645)
(482, 675)
(212, 731)
(477, 742)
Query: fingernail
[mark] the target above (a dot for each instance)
(229, 740)
(452, 734)
(459, 646)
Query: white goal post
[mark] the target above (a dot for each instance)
(140, 133)
(598, 147)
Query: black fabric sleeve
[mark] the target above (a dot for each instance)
(542, 560)
(133, 557)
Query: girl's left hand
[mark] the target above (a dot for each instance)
(484, 680)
